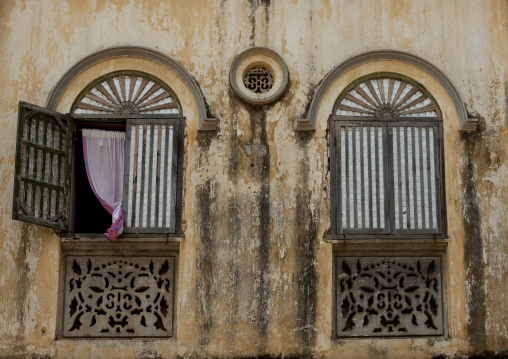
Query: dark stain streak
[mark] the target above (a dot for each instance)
(473, 242)
(506, 103)
(234, 218)
(253, 6)
(261, 171)
(307, 277)
(204, 262)
(310, 96)
(205, 138)
(264, 257)
(266, 4)
(22, 281)
(24, 354)
(234, 228)
(235, 150)
(149, 354)
(485, 355)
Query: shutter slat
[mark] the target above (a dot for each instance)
(433, 178)
(153, 177)
(422, 179)
(378, 192)
(414, 179)
(356, 186)
(139, 183)
(370, 173)
(162, 162)
(342, 180)
(131, 137)
(349, 192)
(406, 154)
(362, 182)
(144, 210)
(171, 180)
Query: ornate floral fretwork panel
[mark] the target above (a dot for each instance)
(386, 98)
(388, 296)
(110, 296)
(127, 94)
(258, 79)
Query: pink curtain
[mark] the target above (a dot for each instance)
(104, 154)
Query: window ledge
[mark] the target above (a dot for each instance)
(67, 237)
(335, 238)
(388, 245)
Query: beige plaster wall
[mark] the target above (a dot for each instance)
(255, 275)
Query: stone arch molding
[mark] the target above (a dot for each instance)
(466, 121)
(205, 123)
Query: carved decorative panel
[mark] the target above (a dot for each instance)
(388, 296)
(118, 296)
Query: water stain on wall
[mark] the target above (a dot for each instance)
(473, 241)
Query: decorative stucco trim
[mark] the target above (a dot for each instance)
(205, 123)
(466, 122)
(269, 59)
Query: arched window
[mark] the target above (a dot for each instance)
(387, 160)
(51, 183)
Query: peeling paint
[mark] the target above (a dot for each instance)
(255, 275)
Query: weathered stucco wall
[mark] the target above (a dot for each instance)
(255, 275)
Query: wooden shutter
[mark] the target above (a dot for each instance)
(151, 168)
(361, 177)
(42, 172)
(416, 197)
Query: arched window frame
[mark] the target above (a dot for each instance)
(388, 120)
(38, 128)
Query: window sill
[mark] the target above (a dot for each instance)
(67, 237)
(392, 245)
(334, 238)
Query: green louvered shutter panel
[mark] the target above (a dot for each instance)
(43, 164)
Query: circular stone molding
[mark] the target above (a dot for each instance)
(259, 75)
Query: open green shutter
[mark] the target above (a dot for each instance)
(43, 163)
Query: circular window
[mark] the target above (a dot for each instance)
(259, 76)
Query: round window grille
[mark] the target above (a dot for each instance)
(259, 76)
(258, 79)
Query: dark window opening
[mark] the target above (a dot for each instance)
(88, 213)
